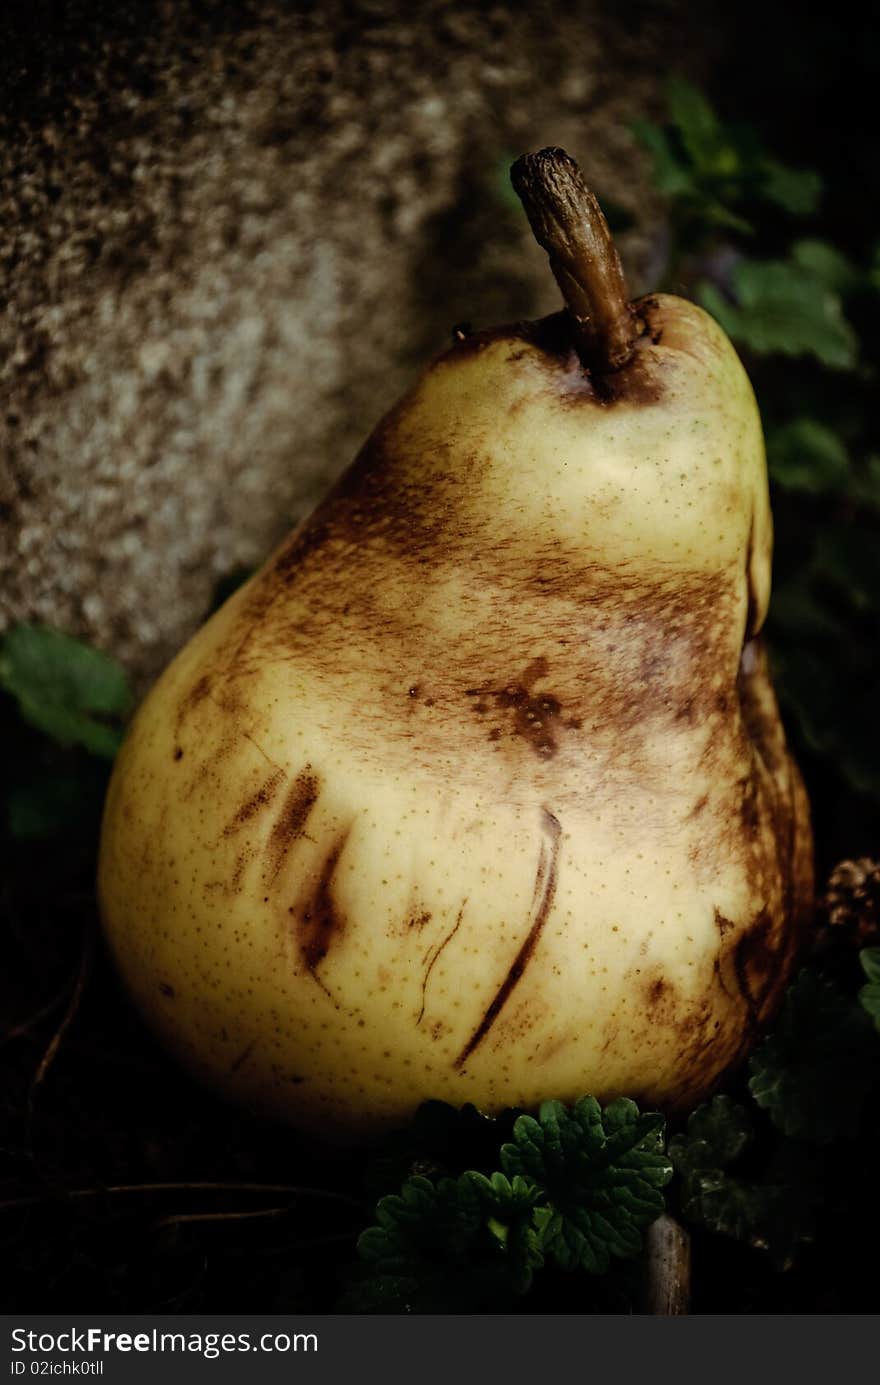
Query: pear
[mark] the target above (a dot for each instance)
(478, 790)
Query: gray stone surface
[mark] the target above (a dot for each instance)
(230, 236)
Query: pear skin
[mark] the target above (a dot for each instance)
(478, 790)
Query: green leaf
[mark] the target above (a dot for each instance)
(671, 176)
(73, 694)
(869, 995)
(698, 125)
(772, 1211)
(433, 1239)
(795, 190)
(827, 265)
(602, 1172)
(716, 1135)
(783, 308)
(813, 1073)
(805, 455)
(865, 483)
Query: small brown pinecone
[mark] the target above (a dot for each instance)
(851, 901)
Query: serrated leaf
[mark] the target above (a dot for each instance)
(72, 693)
(501, 1195)
(805, 455)
(717, 1133)
(783, 308)
(774, 1213)
(813, 1073)
(602, 1172)
(423, 1218)
(869, 995)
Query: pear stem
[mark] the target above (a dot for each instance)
(568, 222)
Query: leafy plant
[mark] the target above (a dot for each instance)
(75, 699)
(804, 322)
(772, 1209)
(576, 1187)
(814, 1072)
(869, 995)
(712, 172)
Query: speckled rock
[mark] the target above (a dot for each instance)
(231, 234)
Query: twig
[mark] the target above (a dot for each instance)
(188, 1218)
(87, 954)
(24, 1027)
(291, 1190)
(667, 1282)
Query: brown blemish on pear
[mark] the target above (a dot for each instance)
(255, 803)
(298, 803)
(546, 876)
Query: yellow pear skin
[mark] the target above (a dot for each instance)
(478, 791)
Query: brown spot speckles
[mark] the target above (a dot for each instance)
(197, 694)
(536, 717)
(542, 900)
(299, 801)
(320, 919)
(418, 920)
(255, 803)
(658, 990)
(178, 753)
(238, 872)
(167, 990)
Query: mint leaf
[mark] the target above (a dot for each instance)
(509, 1204)
(773, 1211)
(73, 694)
(602, 1171)
(785, 309)
(813, 1073)
(805, 455)
(869, 995)
(717, 1133)
(451, 1242)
